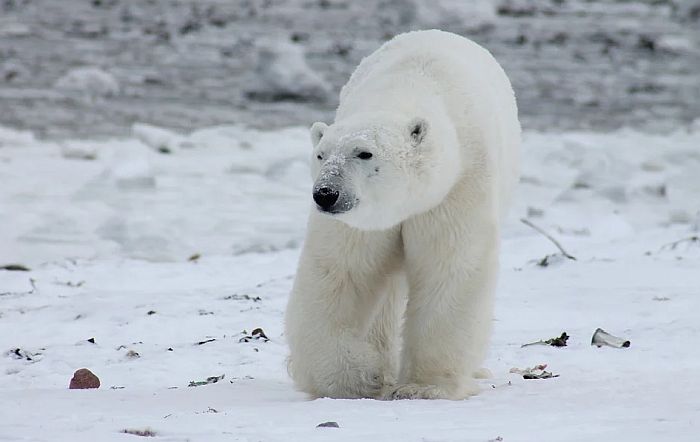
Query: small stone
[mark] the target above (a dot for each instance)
(14, 268)
(258, 333)
(328, 425)
(83, 379)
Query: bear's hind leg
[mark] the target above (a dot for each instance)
(451, 262)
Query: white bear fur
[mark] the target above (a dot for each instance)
(393, 298)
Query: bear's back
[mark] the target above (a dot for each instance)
(423, 52)
(421, 67)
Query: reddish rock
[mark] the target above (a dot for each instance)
(84, 378)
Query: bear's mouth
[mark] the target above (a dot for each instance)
(343, 205)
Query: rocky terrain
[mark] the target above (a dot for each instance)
(94, 67)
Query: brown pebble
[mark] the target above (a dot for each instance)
(84, 378)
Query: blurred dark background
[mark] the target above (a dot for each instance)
(94, 67)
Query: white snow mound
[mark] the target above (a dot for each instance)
(282, 73)
(89, 81)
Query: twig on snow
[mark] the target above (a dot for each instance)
(673, 245)
(548, 236)
(559, 341)
(32, 282)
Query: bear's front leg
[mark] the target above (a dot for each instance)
(340, 282)
(451, 262)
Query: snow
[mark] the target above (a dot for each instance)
(438, 13)
(283, 73)
(89, 81)
(162, 140)
(139, 203)
(10, 28)
(108, 228)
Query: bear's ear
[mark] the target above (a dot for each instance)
(417, 130)
(317, 130)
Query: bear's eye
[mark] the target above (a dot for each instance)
(319, 156)
(364, 155)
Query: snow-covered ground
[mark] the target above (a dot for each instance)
(167, 248)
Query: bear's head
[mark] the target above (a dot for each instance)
(374, 171)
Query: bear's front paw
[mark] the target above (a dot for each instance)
(355, 383)
(357, 373)
(412, 391)
(465, 389)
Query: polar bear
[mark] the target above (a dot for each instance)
(393, 296)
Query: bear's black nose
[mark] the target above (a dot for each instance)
(325, 197)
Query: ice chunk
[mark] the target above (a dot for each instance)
(159, 139)
(282, 73)
(89, 81)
